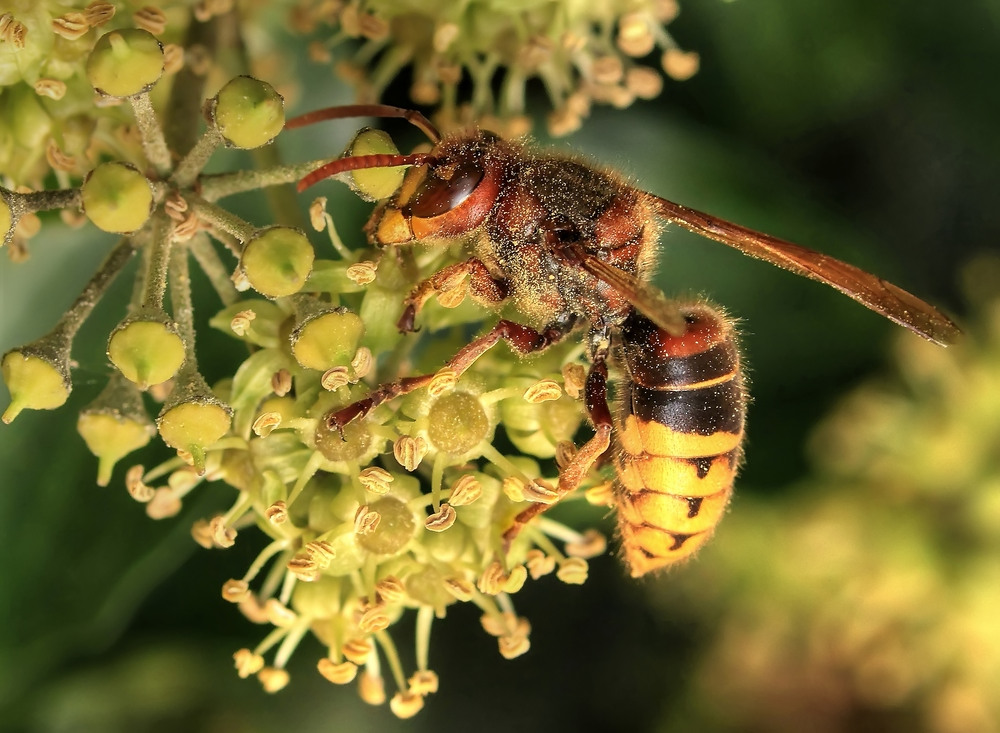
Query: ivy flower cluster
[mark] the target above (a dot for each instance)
(406, 509)
(581, 53)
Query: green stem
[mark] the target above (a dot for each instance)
(153, 142)
(224, 220)
(155, 283)
(180, 298)
(219, 186)
(187, 170)
(77, 313)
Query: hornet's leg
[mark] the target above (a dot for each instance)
(571, 476)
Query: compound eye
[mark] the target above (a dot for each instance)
(436, 195)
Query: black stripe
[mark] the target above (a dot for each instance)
(655, 371)
(704, 411)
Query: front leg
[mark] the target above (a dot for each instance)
(484, 287)
(520, 338)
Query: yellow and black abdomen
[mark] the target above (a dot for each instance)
(680, 434)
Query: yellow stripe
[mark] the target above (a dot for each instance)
(638, 437)
(670, 475)
(669, 512)
(697, 385)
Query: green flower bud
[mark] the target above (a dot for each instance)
(397, 526)
(146, 349)
(457, 423)
(117, 197)
(114, 425)
(37, 380)
(277, 261)
(324, 339)
(373, 184)
(125, 62)
(193, 418)
(248, 112)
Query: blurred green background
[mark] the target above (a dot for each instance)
(856, 581)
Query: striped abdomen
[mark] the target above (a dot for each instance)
(680, 430)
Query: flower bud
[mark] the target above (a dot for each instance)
(373, 184)
(277, 261)
(36, 379)
(248, 112)
(326, 338)
(193, 418)
(146, 349)
(125, 62)
(117, 197)
(114, 425)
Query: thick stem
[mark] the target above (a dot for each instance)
(224, 220)
(77, 313)
(219, 186)
(155, 283)
(196, 159)
(153, 142)
(180, 299)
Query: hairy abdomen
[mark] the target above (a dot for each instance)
(680, 434)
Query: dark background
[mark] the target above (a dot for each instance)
(865, 130)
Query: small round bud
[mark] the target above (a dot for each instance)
(277, 261)
(35, 382)
(327, 340)
(111, 435)
(373, 184)
(125, 62)
(146, 351)
(195, 425)
(117, 197)
(248, 112)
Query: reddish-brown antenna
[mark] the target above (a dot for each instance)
(367, 110)
(357, 162)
